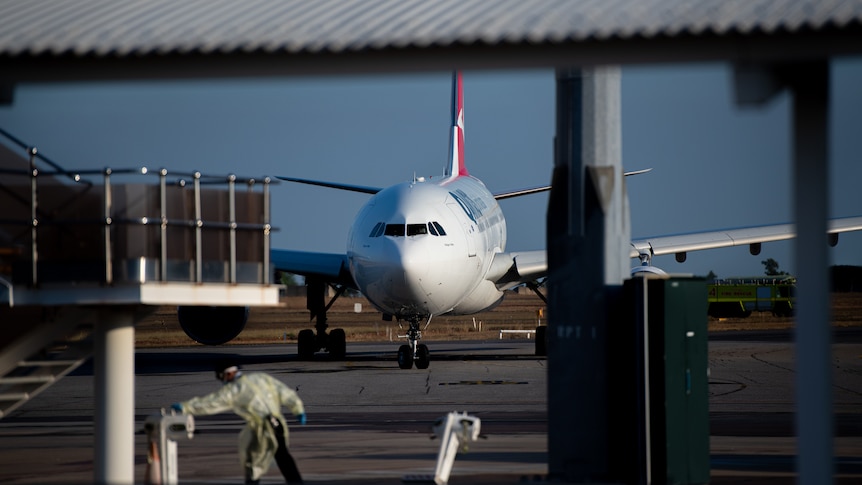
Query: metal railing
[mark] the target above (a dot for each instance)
(115, 221)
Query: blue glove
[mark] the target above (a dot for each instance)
(301, 418)
(177, 407)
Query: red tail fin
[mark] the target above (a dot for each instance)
(456, 166)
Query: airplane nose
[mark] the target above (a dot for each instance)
(412, 262)
(396, 276)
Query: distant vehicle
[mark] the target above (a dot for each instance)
(738, 297)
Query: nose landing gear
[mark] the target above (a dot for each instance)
(413, 351)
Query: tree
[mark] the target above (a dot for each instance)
(288, 279)
(771, 267)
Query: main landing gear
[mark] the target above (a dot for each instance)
(413, 351)
(309, 342)
(541, 330)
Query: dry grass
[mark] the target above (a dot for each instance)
(277, 325)
(518, 312)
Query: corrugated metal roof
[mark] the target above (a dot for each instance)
(144, 27)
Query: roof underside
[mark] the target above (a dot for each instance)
(50, 40)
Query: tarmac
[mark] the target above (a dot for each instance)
(370, 422)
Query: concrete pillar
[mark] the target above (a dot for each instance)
(114, 362)
(588, 241)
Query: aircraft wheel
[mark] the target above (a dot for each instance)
(305, 343)
(337, 344)
(423, 357)
(405, 357)
(542, 340)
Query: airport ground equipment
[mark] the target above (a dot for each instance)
(163, 431)
(86, 254)
(738, 297)
(455, 430)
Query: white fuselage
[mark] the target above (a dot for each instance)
(423, 248)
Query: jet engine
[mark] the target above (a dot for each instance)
(212, 325)
(642, 270)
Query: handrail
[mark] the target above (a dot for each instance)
(56, 166)
(110, 221)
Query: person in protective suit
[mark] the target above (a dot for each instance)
(257, 398)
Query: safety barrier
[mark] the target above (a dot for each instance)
(528, 332)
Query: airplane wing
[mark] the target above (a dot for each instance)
(334, 185)
(520, 192)
(512, 269)
(682, 243)
(331, 267)
(544, 188)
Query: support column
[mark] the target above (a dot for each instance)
(588, 239)
(114, 362)
(810, 84)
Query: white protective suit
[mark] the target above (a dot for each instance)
(253, 396)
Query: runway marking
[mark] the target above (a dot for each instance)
(723, 391)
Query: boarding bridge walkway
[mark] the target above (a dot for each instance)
(86, 254)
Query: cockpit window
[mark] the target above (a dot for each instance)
(378, 230)
(416, 229)
(394, 230)
(399, 230)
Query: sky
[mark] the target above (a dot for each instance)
(715, 165)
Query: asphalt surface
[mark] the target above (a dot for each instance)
(370, 422)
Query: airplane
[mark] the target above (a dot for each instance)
(437, 245)
(424, 247)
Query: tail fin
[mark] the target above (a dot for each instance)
(456, 166)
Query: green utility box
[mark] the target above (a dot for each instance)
(659, 433)
(678, 381)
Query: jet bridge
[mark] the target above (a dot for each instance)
(85, 254)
